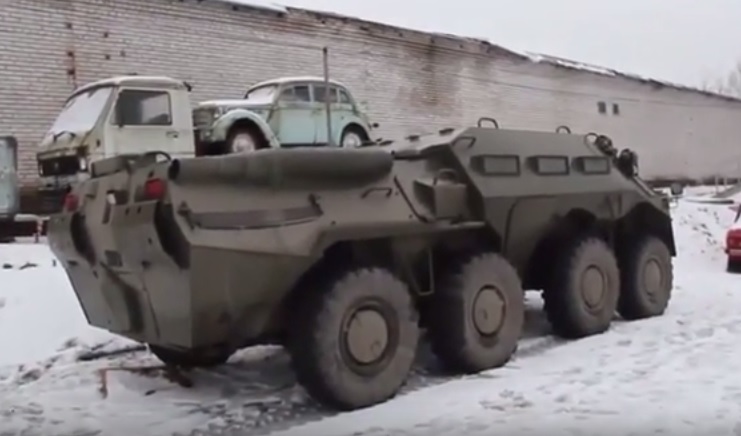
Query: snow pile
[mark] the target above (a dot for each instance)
(664, 375)
(40, 318)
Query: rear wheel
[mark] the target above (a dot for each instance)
(582, 294)
(478, 313)
(190, 358)
(353, 137)
(354, 337)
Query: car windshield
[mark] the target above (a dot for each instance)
(82, 111)
(262, 94)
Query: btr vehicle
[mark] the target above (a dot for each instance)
(294, 109)
(135, 114)
(343, 255)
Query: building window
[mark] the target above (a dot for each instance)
(602, 107)
(615, 109)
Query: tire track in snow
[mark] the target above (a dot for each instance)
(261, 403)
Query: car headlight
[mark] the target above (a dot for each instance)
(83, 163)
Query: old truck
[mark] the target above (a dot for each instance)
(343, 255)
(135, 114)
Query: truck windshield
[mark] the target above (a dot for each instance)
(262, 94)
(82, 111)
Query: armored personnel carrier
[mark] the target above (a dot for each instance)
(343, 255)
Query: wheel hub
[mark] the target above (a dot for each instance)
(593, 286)
(351, 140)
(243, 142)
(489, 309)
(653, 277)
(367, 336)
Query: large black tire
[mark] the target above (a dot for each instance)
(582, 293)
(733, 266)
(646, 279)
(342, 363)
(478, 313)
(190, 359)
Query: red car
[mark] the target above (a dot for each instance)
(733, 244)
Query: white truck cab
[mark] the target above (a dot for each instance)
(125, 114)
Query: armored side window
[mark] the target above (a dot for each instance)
(143, 108)
(549, 165)
(592, 164)
(298, 93)
(496, 165)
(320, 94)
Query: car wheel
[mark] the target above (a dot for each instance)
(243, 140)
(353, 137)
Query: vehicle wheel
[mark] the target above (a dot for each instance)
(582, 295)
(353, 137)
(733, 266)
(646, 279)
(243, 140)
(477, 314)
(354, 338)
(190, 359)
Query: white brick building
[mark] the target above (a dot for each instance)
(411, 81)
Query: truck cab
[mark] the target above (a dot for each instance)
(119, 115)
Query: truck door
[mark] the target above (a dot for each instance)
(149, 120)
(8, 177)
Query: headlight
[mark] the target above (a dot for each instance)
(83, 163)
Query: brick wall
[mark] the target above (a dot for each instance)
(412, 82)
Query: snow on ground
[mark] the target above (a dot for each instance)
(671, 374)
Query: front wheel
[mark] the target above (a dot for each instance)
(243, 140)
(582, 294)
(647, 279)
(354, 338)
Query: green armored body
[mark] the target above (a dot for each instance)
(343, 255)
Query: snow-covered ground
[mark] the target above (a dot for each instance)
(674, 374)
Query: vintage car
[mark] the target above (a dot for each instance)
(291, 111)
